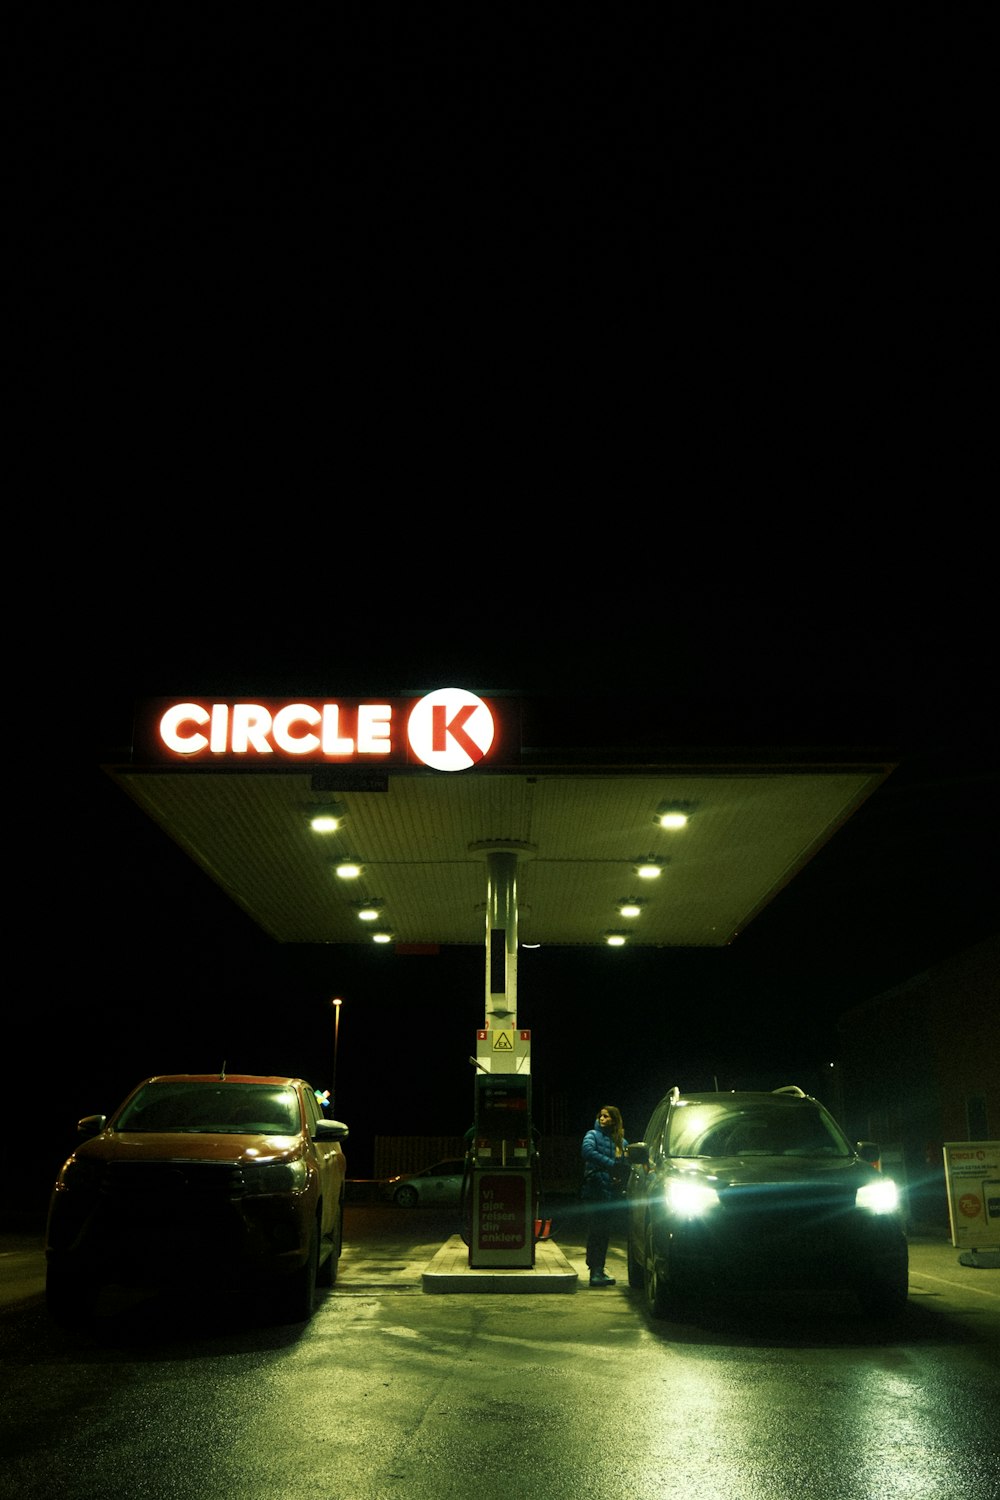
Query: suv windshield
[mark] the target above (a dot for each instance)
(764, 1128)
(243, 1108)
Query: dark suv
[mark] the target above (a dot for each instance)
(219, 1180)
(759, 1192)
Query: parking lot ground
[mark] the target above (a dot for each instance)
(420, 1248)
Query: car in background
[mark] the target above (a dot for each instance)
(438, 1185)
(225, 1181)
(759, 1192)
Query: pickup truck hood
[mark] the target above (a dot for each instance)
(183, 1145)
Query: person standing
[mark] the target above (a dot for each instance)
(604, 1162)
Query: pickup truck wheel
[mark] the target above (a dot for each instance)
(327, 1274)
(69, 1299)
(297, 1294)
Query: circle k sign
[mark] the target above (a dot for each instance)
(450, 729)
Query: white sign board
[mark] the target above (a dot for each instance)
(972, 1176)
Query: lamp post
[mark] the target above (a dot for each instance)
(336, 1003)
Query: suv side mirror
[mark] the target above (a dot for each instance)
(91, 1125)
(871, 1152)
(638, 1153)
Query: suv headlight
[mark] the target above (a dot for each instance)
(690, 1200)
(881, 1197)
(275, 1177)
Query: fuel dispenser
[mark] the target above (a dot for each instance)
(504, 1173)
(502, 1162)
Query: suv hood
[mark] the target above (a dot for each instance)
(735, 1171)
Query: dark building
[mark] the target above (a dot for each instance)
(921, 1066)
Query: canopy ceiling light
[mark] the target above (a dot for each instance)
(615, 939)
(381, 937)
(348, 868)
(650, 868)
(369, 911)
(629, 907)
(672, 815)
(328, 818)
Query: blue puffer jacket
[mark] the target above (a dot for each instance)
(598, 1152)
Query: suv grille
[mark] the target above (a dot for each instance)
(797, 1205)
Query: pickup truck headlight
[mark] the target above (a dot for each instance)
(275, 1177)
(690, 1200)
(881, 1197)
(80, 1174)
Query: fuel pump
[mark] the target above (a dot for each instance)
(502, 1162)
(504, 1173)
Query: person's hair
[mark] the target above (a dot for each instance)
(617, 1125)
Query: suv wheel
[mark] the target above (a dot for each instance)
(883, 1298)
(657, 1289)
(636, 1274)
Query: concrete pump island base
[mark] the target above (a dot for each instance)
(450, 1271)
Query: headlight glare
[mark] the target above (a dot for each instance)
(881, 1197)
(690, 1199)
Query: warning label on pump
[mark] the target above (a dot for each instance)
(505, 1050)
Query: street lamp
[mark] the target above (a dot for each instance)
(337, 1003)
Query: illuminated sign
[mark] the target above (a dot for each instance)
(449, 729)
(972, 1177)
(502, 1206)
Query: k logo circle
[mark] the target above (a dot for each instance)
(450, 729)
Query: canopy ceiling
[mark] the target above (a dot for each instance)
(422, 841)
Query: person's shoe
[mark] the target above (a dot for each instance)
(599, 1278)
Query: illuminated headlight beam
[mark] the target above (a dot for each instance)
(880, 1197)
(691, 1199)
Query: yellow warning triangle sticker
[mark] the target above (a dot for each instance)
(503, 1041)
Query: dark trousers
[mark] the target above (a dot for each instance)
(600, 1222)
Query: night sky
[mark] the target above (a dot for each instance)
(629, 363)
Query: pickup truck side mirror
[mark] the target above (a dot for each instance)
(871, 1152)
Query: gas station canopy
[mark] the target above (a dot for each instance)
(236, 787)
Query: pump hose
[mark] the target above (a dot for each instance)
(463, 1200)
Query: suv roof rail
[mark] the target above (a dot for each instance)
(791, 1088)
